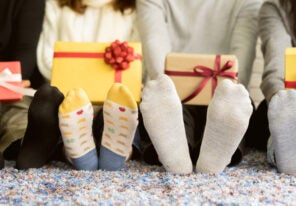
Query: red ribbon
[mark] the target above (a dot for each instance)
(208, 73)
(290, 84)
(118, 69)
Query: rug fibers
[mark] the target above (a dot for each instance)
(252, 182)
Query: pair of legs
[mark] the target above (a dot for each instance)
(280, 114)
(227, 121)
(51, 116)
(120, 123)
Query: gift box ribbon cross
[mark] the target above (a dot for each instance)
(118, 55)
(207, 73)
(7, 77)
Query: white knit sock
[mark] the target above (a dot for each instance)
(163, 119)
(227, 121)
(282, 125)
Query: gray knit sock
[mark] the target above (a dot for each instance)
(227, 121)
(282, 125)
(162, 115)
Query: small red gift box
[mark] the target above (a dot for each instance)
(10, 75)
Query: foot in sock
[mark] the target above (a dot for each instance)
(11, 152)
(163, 118)
(75, 120)
(227, 121)
(120, 112)
(282, 125)
(42, 133)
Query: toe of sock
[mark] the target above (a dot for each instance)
(74, 99)
(120, 94)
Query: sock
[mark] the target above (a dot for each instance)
(120, 123)
(76, 116)
(227, 121)
(42, 133)
(282, 125)
(163, 118)
(11, 152)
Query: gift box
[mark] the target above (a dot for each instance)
(196, 76)
(290, 68)
(96, 66)
(10, 77)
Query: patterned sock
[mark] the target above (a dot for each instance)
(120, 123)
(282, 125)
(76, 116)
(163, 118)
(42, 133)
(227, 121)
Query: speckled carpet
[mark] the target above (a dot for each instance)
(253, 182)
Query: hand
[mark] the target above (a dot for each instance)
(26, 83)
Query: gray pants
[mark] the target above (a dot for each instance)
(13, 121)
(270, 152)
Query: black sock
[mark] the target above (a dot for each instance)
(11, 152)
(1, 161)
(43, 131)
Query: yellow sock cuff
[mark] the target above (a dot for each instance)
(75, 99)
(120, 94)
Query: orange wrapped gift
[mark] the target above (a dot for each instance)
(290, 68)
(196, 76)
(96, 66)
(10, 76)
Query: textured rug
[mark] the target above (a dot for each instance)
(253, 182)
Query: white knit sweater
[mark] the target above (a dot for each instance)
(100, 23)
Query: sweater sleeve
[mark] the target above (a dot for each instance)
(151, 23)
(26, 34)
(275, 40)
(48, 38)
(245, 34)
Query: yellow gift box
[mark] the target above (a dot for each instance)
(197, 75)
(80, 64)
(290, 68)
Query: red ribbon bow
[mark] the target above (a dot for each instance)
(118, 55)
(208, 73)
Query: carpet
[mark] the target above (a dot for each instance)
(252, 182)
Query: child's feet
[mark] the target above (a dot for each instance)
(120, 123)
(76, 116)
(163, 118)
(43, 131)
(227, 121)
(282, 125)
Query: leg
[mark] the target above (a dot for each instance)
(163, 119)
(258, 132)
(282, 124)
(227, 121)
(75, 120)
(120, 123)
(1, 161)
(13, 126)
(42, 133)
